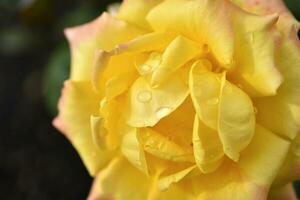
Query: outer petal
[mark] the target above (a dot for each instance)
(255, 54)
(265, 7)
(148, 105)
(262, 6)
(204, 21)
(250, 178)
(103, 33)
(135, 11)
(120, 181)
(288, 58)
(77, 104)
(290, 170)
(285, 121)
(264, 156)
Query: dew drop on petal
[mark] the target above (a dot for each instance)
(145, 68)
(144, 96)
(212, 101)
(163, 111)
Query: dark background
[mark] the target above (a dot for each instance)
(36, 161)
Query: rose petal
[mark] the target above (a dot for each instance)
(148, 105)
(204, 21)
(132, 148)
(77, 104)
(103, 33)
(135, 11)
(163, 148)
(236, 122)
(208, 149)
(256, 69)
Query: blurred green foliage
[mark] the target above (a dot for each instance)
(56, 72)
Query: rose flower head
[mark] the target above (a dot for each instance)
(186, 100)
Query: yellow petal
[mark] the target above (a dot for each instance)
(255, 54)
(288, 58)
(113, 66)
(120, 181)
(155, 41)
(98, 131)
(175, 55)
(183, 117)
(264, 156)
(118, 84)
(152, 63)
(135, 11)
(205, 88)
(103, 33)
(207, 22)
(277, 115)
(113, 121)
(236, 123)
(132, 148)
(262, 7)
(285, 121)
(265, 7)
(165, 182)
(251, 176)
(77, 104)
(148, 105)
(161, 147)
(208, 149)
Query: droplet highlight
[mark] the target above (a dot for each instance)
(162, 112)
(145, 68)
(144, 96)
(212, 101)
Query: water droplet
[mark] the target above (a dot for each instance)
(144, 96)
(255, 110)
(145, 68)
(212, 101)
(163, 111)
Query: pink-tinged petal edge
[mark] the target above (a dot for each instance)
(58, 120)
(78, 34)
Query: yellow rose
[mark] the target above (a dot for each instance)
(186, 100)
